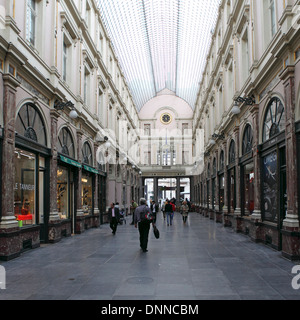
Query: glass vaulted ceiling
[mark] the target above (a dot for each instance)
(161, 44)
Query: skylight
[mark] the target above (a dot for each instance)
(161, 44)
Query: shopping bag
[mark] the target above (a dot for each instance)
(156, 232)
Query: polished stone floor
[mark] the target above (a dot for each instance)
(197, 261)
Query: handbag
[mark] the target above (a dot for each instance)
(156, 232)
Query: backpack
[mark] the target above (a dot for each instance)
(146, 215)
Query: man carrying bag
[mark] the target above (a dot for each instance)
(142, 220)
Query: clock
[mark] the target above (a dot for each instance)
(166, 118)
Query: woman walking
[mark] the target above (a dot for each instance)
(184, 211)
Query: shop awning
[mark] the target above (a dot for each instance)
(90, 169)
(70, 161)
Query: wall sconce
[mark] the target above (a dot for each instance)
(212, 142)
(250, 101)
(58, 105)
(236, 109)
(218, 136)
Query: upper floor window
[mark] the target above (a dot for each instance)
(273, 17)
(87, 155)
(31, 21)
(147, 129)
(274, 121)
(65, 143)
(232, 152)
(30, 124)
(247, 140)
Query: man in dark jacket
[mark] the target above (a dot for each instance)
(142, 224)
(114, 217)
(154, 209)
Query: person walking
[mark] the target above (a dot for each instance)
(154, 209)
(169, 212)
(184, 211)
(163, 209)
(114, 217)
(142, 223)
(134, 206)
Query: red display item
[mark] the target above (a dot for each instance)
(24, 217)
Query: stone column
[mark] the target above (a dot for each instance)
(8, 219)
(217, 205)
(178, 191)
(237, 211)
(256, 215)
(54, 226)
(155, 187)
(96, 213)
(10, 243)
(225, 206)
(53, 168)
(79, 211)
(96, 189)
(291, 220)
(290, 228)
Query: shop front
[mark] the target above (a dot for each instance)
(66, 181)
(231, 186)
(273, 173)
(221, 179)
(247, 173)
(89, 182)
(213, 189)
(31, 163)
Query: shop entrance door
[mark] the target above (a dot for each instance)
(42, 201)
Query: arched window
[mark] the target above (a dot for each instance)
(208, 171)
(101, 162)
(66, 143)
(247, 140)
(29, 124)
(214, 167)
(232, 152)
(274, 121)
(87, 154)
(222, 161)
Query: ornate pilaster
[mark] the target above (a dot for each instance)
(8, 219)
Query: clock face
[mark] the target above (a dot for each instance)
(166, 118)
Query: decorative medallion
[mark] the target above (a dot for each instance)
(166, 118)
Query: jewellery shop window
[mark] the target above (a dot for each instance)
(63, 192)
(24, 187)
(87, 194)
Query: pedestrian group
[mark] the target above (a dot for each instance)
(143, 216)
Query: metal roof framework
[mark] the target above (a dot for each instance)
(161, 44)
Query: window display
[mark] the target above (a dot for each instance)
(249, 188)
(62, 193)
(270, 186)
(24, 186)
(87, 194)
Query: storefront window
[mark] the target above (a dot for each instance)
(221, 191)
(24, 187)
(87, 194)
(270, 187)
(232, 190)
(62, 192)
(249, 188)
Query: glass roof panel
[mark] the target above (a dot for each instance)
(161, 43)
